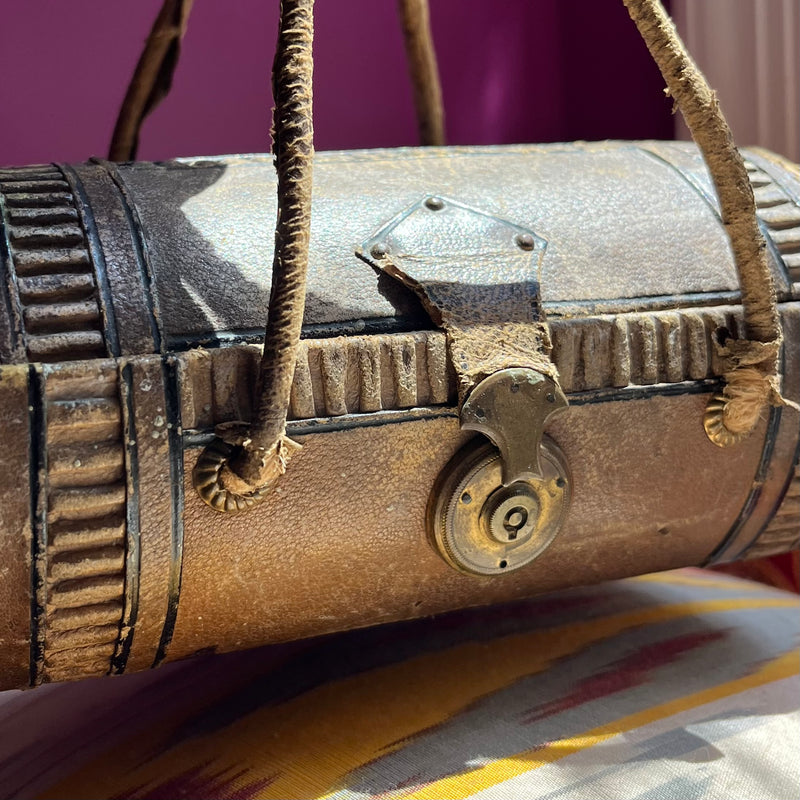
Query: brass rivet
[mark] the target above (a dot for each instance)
(434, 203)
(379, 250)
(525, 241)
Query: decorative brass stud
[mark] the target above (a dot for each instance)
(206, 479)
(714, 424)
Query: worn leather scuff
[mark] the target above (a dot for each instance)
(478, 278)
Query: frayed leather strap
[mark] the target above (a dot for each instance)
(152, 78)
(241, 473)
(293, 147)
(421, 55)
(753, 377)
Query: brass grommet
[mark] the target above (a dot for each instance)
(714, 425)
(207, 483)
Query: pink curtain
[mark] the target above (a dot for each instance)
(750, 51)
(514, 71)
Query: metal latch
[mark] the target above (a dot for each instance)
(496, 508)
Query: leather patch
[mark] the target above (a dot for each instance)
(478, 278)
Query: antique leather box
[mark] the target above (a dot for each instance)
(133, 299)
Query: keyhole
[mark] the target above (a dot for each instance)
(513, 514)
(515, 519)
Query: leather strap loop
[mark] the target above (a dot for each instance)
(752, 377)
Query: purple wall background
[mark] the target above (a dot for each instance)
(531, 73)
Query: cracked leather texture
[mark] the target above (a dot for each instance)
(342, 542)
(15, 529)
(208, 226)
(292, 569)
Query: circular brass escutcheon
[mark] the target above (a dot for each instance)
(480, 526)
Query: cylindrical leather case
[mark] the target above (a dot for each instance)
(133, 299)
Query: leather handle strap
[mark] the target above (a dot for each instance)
(293, 148)
(152, 78)
(236, 472)
(752, 377)
(422, 66)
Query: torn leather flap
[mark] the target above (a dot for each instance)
(478, 278)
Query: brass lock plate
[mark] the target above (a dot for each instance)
(482, 527)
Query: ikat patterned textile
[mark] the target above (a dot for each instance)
(679, 685)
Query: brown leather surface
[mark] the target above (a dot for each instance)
(154, 507)
(128, 300)
(208, 226)
(783, 458)
(15, 529)
(342, 542)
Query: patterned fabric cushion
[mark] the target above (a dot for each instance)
(679, 685)
(781, 571)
